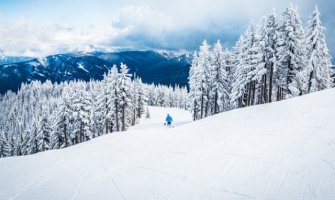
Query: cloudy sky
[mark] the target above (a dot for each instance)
(43, 27)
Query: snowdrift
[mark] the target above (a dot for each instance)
(284, 150)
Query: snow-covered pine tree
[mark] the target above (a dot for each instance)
(204, 74)
(96, 117)
(319, 60)
(229, 67)
(33, 142)
(243, 88)
(104, 105)
(3, 145)
(57, 139)
(258, 70)
(66, 118)
(24, 138)
(141, 99)
(160, 95)
(199, 82)
(125, 96)
(109, 101)
(151, 94)
(236, 92)
(134, 91)
(269, 35)
(291, 75)
(218, 80)
(168, 99)
(138, 99)
(43, 133)
(8, 144)
(114, 99)
(75, 121)
(195, 88)
(84, 114)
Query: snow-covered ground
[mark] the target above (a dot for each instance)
(283, 150)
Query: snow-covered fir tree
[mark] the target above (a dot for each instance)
(243, 86)
(218, 94)
(199, 81)
(319, 60)
(269, 35)
(125, 97)
(291, 71)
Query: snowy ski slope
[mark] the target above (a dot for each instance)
(284, 150)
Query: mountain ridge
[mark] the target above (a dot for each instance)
(151, 66)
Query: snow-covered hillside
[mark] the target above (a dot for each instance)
(284, 150)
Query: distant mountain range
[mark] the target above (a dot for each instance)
(152, 67)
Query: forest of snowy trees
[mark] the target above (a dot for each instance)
(275, 60)
(43, 116)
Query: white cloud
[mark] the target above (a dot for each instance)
(30, 39)
(173, 24)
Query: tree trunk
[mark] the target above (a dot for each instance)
(195, 111)
(111, 127)
(270, 82)
(310, 82)
(239, 105)
(202, 106)
(117, 115)
(253, 92)
(81, 135)
(123, 119)
(206, 108)
(265, 92)
(249, 94)
(65, 135)
(289, 78)
(106, 124)
(216, 103)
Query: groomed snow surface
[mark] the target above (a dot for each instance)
(284, 150)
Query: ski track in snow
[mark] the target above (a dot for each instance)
(113, 181)
(36, 180)
(284, 150)
(77, 187)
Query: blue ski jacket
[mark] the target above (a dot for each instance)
(168, 118)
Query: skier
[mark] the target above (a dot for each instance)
(168, 120)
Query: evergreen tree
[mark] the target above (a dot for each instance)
(84, 116)
(114, 99)
(319, 64)
(269, 35)
(243, 88)
(218, 80)
(291, 72)
(43, 133)
(125, 96)
(199, 81)
(4, 146)
(194, 95)
(140, 103)
(33, 140)
(258, 70)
